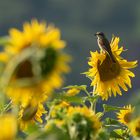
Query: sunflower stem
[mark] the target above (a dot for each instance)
(8, 106)
(2, 103)
(93, 105)
(49, 114)
(88, 94)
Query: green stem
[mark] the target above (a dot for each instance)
(8, 106)
(93, 107)
(49, 115)
(88, 94)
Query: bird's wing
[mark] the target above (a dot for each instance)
(106, 45)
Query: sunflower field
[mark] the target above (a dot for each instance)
(34, 104)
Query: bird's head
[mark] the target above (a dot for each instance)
(100, 34)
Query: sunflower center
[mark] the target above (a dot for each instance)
(24, 70)
(48, 62)
(127, 117)
(29, 113)
(108, 70)
(137, 129)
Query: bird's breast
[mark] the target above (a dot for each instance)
(100, 43)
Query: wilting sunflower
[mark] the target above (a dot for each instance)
(134, 127)
(108, 77)
(8, 127)
(125, 116)
(40, 73)
(30, 114)
(84, 122)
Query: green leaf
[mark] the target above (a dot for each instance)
(63, 97)
(103, 135)
(110, 121)
(92, 98)
(32, 128)
(100, 114)
(74, 99)
(114, 134)
(108, 108)
(119, 131)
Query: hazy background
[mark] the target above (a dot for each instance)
(78, 21)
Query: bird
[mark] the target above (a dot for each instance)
(104, 45)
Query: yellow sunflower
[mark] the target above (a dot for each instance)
(58, 111)
(125, 116)
(86, 117)
(41, 73)
(78, 122)
(107, 77)
(8, 127)
(134, 127)
(30, 114)
(72, 92)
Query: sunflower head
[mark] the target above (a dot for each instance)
(107, 77)
(79, 122)
(125, 116)
(30, 114)
(72, 92)
(83, 121)
(8, 127)
(37, 34)
(134, 127)
(59, 110)
(36, 75)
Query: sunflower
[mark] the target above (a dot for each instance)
(134, 127)
(59, 110)
(78, 122)
(38, 75)
(83, 121)
(107, 77)
(125, 116)
(72, 92)
(30, 114)
(8, 127)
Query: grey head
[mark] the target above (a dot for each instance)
(100, 34)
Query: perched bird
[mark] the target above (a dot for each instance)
(104, 45)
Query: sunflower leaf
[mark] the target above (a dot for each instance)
(114, 134)
(109, 121)
(92, 98)
(32, 128)
(64, 97)
(108, 108)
